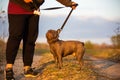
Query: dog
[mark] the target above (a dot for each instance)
(60, 48)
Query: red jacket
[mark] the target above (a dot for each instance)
(14, 8)
(20, 7)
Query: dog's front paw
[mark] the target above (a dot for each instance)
(59, 66)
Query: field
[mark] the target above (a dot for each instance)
(110, 54)
(45, 65)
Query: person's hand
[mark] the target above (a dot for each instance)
(74, 5)
(28, 1)
(36, 12)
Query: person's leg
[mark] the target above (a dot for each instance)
(29, 39)
(16, 28)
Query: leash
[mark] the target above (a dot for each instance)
(37, 10)
(53, 8)
(60, 29)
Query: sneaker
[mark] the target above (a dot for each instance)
(30, 73)
(9, 74)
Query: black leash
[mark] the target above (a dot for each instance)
(53, 8)
(34, 6)
(59, 30)
(66, 19)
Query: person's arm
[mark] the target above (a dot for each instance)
(37, 2)
(68, 3)
(28, 1)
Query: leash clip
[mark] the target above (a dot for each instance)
(59, 30)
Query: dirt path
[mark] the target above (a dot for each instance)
(103, 68)
(106, 68)
(18, 68)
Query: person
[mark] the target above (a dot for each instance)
(23, 18)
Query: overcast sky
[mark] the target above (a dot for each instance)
(105, 8)
(93, 16)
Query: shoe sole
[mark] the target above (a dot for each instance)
(29, 75)
(9, 79)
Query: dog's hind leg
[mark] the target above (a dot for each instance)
(80, 59)
(80, 62)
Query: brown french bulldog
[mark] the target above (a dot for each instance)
(60, 48)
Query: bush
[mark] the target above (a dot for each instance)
(2, 43)
(2, 55)
(115, 55)
(89, 45)
(2, 50)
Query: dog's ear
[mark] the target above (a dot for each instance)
(51, 34)
(58, 31)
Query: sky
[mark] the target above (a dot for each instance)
(93, 20)
(104, 8)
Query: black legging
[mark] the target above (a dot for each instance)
(22, 27)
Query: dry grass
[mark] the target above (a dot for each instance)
(2, 57)
(115, 55)
(110, 54)
(69, 71)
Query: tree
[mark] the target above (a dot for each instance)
(89, 45)
(116, 38)
(2, 26)
(3, 32)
